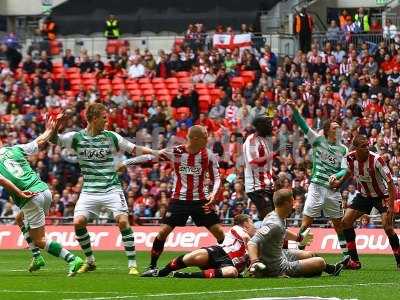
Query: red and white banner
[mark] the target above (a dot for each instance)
(231, 41)
(186, 239)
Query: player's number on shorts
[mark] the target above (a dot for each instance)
(14, 168)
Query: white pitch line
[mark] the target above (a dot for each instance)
(26, 270)
(56, 292)
(236, 291)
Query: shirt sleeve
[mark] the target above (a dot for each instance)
(250, 150)
(123, 144)
(383, 169)
(65, 140)
(29, 148)
(263, 233)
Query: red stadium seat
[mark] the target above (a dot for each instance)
(162, 92)
(159, 86)
(204, 106)
(149, 92)
(118, 87)
(135, 92)
(199, 86)
(173, 86)
(182, 74)
(144, 80)
(146, 86)
(76, 82)
(237, 82)
(74, 76)
(105, 87)
(171, 80)
(185, 79)
(130, 80)
(203, 92)
(397, 206)
(132, 86)
(104, 81)
(73, 70)
(88, 76)
(248, 75)
(158, 80)
(186, 85)
(117, 80)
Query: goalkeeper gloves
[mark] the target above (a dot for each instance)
(305, 238)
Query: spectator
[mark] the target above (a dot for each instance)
(303, 27)
(361, 19)
(11, 55)
(136, 69)
(389, 31)
(68, 59)
(333, 33)
(217, 111)
(343, 18)
(112, 30)
(29, 65)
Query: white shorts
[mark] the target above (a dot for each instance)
(319, 199)
(36, 209)
(90, 204)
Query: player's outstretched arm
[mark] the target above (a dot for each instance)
(311, 134)
(11, 187)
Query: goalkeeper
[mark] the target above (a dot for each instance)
(268, 259)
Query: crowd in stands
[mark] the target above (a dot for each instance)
(156, 98)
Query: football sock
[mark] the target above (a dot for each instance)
(350, 235)
(156, 250)
(83, 237)
(55, 249)
(34, 249)
(302, 229)
(128, 240)
(343, 243)
(210, 273)
(394, 243)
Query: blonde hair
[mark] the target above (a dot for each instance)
(94, 110)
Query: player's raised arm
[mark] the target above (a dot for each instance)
(311, 134)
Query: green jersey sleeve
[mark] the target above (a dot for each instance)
(311, 135)
(29, 148)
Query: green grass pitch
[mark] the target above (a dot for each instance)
(378, 279)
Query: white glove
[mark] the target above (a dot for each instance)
(256, 267)
(306, 238)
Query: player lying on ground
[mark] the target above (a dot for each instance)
(376, 189)
(96, 149)
(328, 160)
(190, 196)
(267, 257)
(15, 167)
(226, 260)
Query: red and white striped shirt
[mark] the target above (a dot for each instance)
(371, 176)
(190, 173)
(234, 246)
(257, 177)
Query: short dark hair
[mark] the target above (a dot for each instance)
(240, 219)
(327, 126)
(282, 196)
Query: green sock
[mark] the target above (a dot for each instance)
(83, 237)
(53, 248)
(34, 249)
(129, 244)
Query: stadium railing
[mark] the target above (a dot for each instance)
(282, 44)
(372, 39)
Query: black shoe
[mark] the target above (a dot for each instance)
(177, 274)
(150, 272)
(340, 265)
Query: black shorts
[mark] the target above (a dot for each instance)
(179, 211)
(262, 199)
(217, 258)
(365, 204)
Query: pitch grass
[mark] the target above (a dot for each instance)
(378, 279)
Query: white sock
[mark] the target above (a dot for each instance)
(132, 264)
